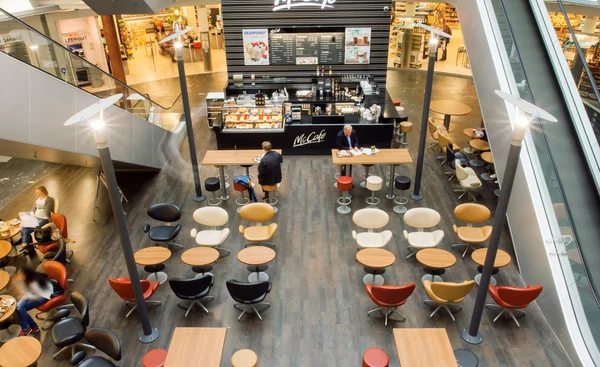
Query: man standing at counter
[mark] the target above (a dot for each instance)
(269, 169)
(346, 140)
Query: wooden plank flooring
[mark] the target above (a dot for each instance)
(318, 302)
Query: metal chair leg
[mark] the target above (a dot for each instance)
(435, 311)
(257, 314)
(175, 244)
(401, 315)
(131, 311)
(374, 310)
(498, 316)
(450, 313)
(514, 319)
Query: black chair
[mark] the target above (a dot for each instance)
(249, 295)
(451, 157)
(106, 341)
(167, 213)
(60, 256)
(69, 332)
(192, 290)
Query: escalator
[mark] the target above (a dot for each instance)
(567, 178)
(44, 83)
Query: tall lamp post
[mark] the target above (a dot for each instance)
(472, 335)
(186, 109)
(433, 46)
(148, 334)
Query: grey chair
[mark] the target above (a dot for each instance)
(105, 341)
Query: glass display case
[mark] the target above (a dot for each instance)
(244, 118)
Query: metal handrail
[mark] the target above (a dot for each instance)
(80, 58)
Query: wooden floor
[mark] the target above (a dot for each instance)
(318, 315)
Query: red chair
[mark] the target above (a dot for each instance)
(122, 286)
(511, 299)
(389, 297)
(55, 271)
(61, 222)
(376, 357)
(155, 358)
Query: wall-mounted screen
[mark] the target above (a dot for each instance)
(307, 46)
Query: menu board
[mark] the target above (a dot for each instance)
(306, 48)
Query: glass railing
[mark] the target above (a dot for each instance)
(582, 295)
(26, 44)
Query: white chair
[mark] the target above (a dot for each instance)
(213, 217)
(467, 179)
(371, 219)
(422, 218)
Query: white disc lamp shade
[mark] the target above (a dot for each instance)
(176, 35)
(93, 110)
(526, 107)
(136, 97)
(439, 32)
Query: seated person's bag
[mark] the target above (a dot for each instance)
(43, 235)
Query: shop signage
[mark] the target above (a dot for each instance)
(289, 4)
(5, 40)
(312, 138)
(76, 38)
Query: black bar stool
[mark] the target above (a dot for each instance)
(247, 167)
(212, 184)
(401, 183)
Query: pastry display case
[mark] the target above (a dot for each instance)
(245, 118)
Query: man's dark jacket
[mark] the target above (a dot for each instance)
(269, 169)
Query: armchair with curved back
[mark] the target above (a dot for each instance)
(433, 130)
(104, 340)
(470, 213)
(421, 219)
(446, 141)
(249, 295)
(389, 297)
(57, 272)
(468, 180)
(444, 294)
(192, 291)
(69, 332)
(258, 234)
(451, 157)
(166, 233)
(123, 288)
(513, 299)
(211, 216)
(61, 223)
(370, 219)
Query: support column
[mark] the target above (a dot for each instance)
(114, 51)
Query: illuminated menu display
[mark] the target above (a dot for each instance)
(306, 48)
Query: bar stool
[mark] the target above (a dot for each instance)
(247, 167)
(344, 184)
(242, 200)
(401, 183)
(156, 270)
(212, 184)
(374, 183)
(375, 357)
(466, 358)
(272, 200)
(365, 175)
(244, 358)
(405, 128)
(202, 270)
(155, 358)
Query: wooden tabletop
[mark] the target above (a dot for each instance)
(196, 347)
(152, 255)
(479, 144)
(502, 257)
(487, 157)
(471, 134)
(436, 258)
(256, 255)
(200, 256)
(385, 156)
(4, 279)
(5, 248)
(375, 257)
(12, 231)
(11, 310)
(424, 347)
(20, 352)
(450, 107)
(232, 157)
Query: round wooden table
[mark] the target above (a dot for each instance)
(435, 259)
(13, 230)
(20, 352)
(4, 279)
(478, 256)
(478, 146)
(5, 248)
(449, 108)
(470, 132)
(256, 256)
(13, 330)
(200, 256)
(375, 258)
(150, 256)
(487, 158)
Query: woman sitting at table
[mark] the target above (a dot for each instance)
(43, 207)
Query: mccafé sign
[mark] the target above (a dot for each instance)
(312, 138)
(289, 4)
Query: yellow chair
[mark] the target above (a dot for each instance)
(447, 294)
(434, 130)
(444, 140)
(472, 236)
(258, 234)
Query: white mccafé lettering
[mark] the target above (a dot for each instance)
(312, 138)
(289, 4)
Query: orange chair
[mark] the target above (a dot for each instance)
(61, 222)
(57, 272)
(511, 299)
(447, 294)
(389, 297)
(122, 286)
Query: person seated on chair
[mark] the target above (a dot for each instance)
(347, 140)
(36, 289)
(43, 207)
(269, 169)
